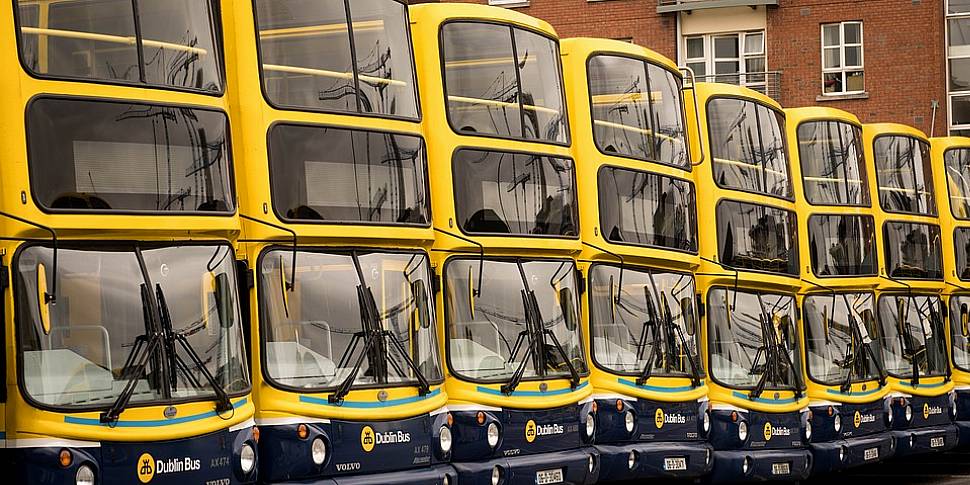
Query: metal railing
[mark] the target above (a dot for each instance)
(768, 83)
(664, 6)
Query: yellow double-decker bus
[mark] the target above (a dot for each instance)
(909, 307)
(507, 234)
(336, 232)
(951, 157)
(846, 380)
(748, 280)
(639, 230)
(126, 358)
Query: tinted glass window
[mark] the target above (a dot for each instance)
(957, 165)
(961, 248)
(637, 110)
(842, 245)
(913, 250)
(913, 337)
(109, 156)
(748, 146)
(503, 81)
(647, 209)
(168, 43)
(511, 193)
(960, 330)
(904, 174)
(832, 163)
(336, 175)
(835, 325)
(757, 237)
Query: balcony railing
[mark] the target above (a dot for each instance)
(664, 6)
(768, 83)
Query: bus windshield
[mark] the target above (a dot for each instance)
(647, 209)
(832, 163)
(337, 55)
(956, 162)
(748, 146)
(345, 306)
(842, 245)
(646, 327)
(960, 330)
(75, 349)
(503, 81)
(753, 340)
(839, 333)
(913, 337)
(334, 175)
(637, 110)
(500, 193)
(757, 237)
(506, 315)
(913, 251)
(904, 174)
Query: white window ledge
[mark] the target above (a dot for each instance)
(842, 97)
(509, 3)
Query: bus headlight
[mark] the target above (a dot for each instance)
(808, 431)
(908, 413)
(837, 423)
(628, 421)
(743, 431)
(318, 451)
(746, 465)
(84, 476)
(842, 451)
(247, 458)
(493, 434)
(496, 475)
(953, 404)
(444, 439)
(706, 422)
(631, 460)
(592, 463)
(590, 425)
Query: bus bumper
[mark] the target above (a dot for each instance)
(841, 454)
(764, 465)
(690, 459)
(434, 475)
(926, 440)
(525, 469)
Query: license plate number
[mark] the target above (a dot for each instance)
(674, 464)
(936, 442)
(545, 477)
(871, 454)
(780, 468)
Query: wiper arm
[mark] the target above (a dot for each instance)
(863, 351)
(670, 329)
(652, 325)
(529, 336)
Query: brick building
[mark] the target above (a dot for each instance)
(884, 60)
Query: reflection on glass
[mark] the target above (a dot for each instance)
(748, 146)
(832, 163)
(904, 174)
(913, 339)
(74, 352)
(337, 175)
(648, 323)
(913, 250)
(311, 331)
(842, 245)
(503, 193)
(961, 248)
(637, 110)
(960, 330)
(757, 237)
(108, 156)
(504, 81)
(488, 328)
(957, 165)
(647, 209)
(744, 328)
(839, 329)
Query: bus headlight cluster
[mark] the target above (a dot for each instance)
(444, 439)
(590, 425)
(84, 476)
(492, 434)
(743, 431)
(318, 451)
(247, 458)
(837, 423)
(629, 421)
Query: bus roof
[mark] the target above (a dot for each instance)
(807, 113)
(587, 46)
(709, 90)
(439, 13)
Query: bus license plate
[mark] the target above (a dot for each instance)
(675, 464)
(780, 468)
(545, 477)
(936, 442)
(871, 454)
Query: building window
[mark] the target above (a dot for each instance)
(735, 58)
(842, 65)
(958, 65)
(509, 3)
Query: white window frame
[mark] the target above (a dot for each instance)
(843, 69)
(710, 60)
(509, 3)
(950, 95)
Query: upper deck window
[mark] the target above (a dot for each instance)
(957, 164)
(748, 146)
(833, 167)
(637, 110)
(169, 43)
(904, 174)
(333, 175)
(913, 251)
(113, 156)
(501, 193)
(337, 55)
(842, 245)
(647, 209)
(503, 81)
(757, 237)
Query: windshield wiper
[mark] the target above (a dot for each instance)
(862, 351)
(906, 340)
(774, 355)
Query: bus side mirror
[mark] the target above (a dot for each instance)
(420, 294)
(223, 293)
(690, 317)
(43, 304)
(568, 309)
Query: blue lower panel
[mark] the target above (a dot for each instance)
(964, 428)
(651, 458)
(925, 440)
(523, 470)
(434, 475)
(763, 466)
(830, 457)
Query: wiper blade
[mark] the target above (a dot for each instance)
(671, 329)
(527, 335)
(863, 351)
(775, 356)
